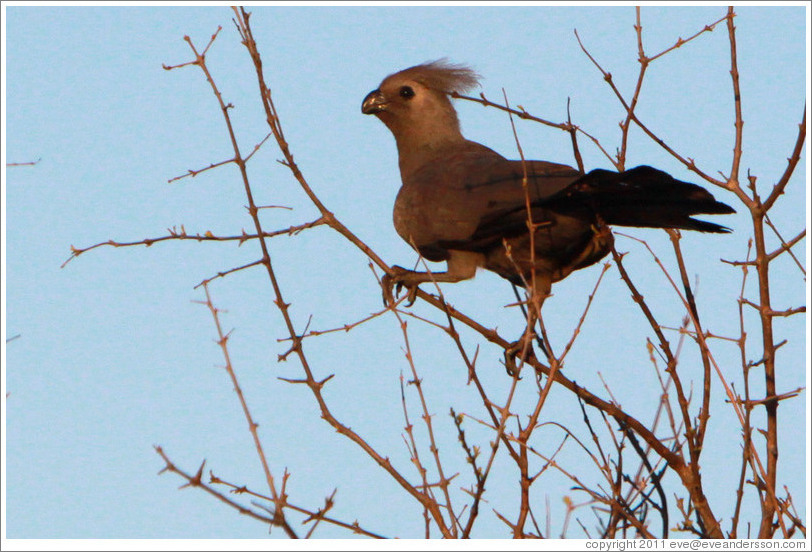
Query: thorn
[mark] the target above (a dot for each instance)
(196, 481)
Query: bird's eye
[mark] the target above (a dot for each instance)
(406, 92)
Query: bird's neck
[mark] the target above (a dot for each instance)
(419, 144)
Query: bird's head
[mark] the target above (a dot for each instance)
(415, 104)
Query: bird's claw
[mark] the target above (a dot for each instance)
(521, 350)
(603, 233)
(397, 281)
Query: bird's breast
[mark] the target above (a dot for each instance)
(427, 214)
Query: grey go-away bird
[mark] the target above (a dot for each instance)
(465, 204)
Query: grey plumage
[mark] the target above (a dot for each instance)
(465, 204)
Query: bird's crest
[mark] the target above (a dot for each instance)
(442, 75)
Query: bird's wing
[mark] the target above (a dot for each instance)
(497, 197)
(641, 197)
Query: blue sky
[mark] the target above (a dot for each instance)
(114, 355)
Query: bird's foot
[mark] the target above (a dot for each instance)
(603, 235)
(394, 282)
(521, 350)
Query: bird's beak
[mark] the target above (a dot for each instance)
(375, 102)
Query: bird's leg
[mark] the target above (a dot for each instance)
(462, 265)
(596, 249)
(601, 244)
(523, 348)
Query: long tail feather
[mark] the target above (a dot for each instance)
(645, 197)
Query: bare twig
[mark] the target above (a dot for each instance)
(24, 163)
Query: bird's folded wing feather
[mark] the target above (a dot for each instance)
(498, 193)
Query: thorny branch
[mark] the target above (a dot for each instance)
(246, 34)
(629, 496)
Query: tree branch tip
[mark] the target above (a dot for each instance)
(325, 380)
(290, 380)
